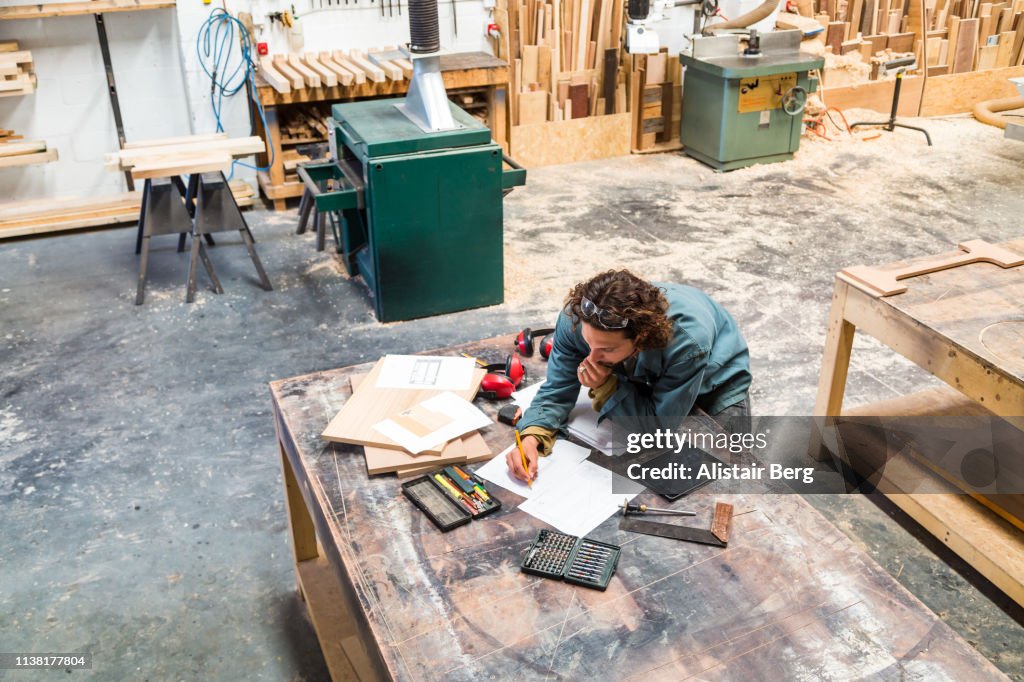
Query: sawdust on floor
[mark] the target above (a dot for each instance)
(842, 177)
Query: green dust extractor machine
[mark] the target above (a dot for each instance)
(744, 106)
(414, 192)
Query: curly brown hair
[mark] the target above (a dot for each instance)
(622, 293)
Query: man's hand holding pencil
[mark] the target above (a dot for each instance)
(522, 459)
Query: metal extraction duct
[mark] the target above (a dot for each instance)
(426, 102)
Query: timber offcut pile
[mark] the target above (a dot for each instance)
(656, 95)
(16, 74)
(566, 58)
(950, 36)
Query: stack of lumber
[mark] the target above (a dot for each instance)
(953, 36)
(656, 95)
(287, 72)
(369, 405)
(182, 155)
(304, 123)
(20, 153)
(566, 58)
(474, 103)
(16, 76)
(40, 216)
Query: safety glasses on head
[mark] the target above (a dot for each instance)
(605, 319)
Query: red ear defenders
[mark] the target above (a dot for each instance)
(524, 341)
(502, 378)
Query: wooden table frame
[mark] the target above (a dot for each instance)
(333, 606)
(954, 353)
(389, 595)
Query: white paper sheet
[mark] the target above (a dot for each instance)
(435, 372)
(571, 494)
(552, 471)
(583, 502)
(460, 414)
(524, 397)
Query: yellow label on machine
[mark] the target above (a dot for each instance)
(764, 92)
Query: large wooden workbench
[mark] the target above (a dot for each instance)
(462, 72)
(390, 596)
(966, 326)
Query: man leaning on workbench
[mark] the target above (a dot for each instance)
(649, 353)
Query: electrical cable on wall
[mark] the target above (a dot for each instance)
(214, 43)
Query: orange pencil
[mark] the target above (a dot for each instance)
(526, 465)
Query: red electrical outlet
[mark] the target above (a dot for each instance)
(261, 49)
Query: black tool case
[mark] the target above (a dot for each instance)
(576, 560)
(446, 511)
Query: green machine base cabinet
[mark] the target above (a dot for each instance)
(742, 109)
(417, 214)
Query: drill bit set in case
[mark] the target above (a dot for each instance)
(580, 561)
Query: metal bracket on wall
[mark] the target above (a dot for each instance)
(101, 30)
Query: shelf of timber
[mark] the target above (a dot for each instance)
(288, 85)
(969, 49)
(20, 153)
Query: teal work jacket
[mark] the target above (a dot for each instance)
(706, 363)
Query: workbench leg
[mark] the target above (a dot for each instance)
(321, 229)
(834, 366)
(142, 216)
(300, 523)
(276, 171)
(143, 262)
(190, 295)
(264, 280)
(209, 269)
(305, 204)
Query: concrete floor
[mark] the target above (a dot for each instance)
(139, 480)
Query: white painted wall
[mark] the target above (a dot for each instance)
(163, 91)
(70, 110)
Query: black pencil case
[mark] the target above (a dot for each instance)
(450, 503)
(576, 560)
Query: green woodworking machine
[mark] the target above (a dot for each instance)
(744, 106)
(414, 192)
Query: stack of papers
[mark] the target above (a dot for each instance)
(571, 494)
